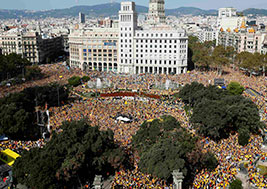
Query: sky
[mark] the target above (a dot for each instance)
(203, 4)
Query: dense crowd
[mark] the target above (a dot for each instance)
(103, 111)
(52, 73)
(20, 146)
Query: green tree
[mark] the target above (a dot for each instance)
(187, 92)
(236, 184)
(74, 81)
(70, 158)
(219, 57)
(85, 78)
(51, 94)
(210, 119)
(33, 72)
(264, 64)
(12, 65)
(150, 132)
(231, 54)
(235, 88)
(164, 146)
(162, 158)
(17, 110)
(209, 161)
(243, 136)
(216, 113)
(250, 62)
(201, 57)
(16, 123)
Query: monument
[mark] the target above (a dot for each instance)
(97, 184)
(177, 179)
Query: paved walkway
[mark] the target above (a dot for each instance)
(244, 180)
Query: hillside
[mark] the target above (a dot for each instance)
(262, 12)
(110, 9)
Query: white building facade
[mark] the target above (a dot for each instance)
(157, 49)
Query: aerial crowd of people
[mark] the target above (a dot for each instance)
(102, 111)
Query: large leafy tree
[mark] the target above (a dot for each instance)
(219, 57)
(199, 54)
(16, 123)
(51, 94)
(164, 146)
(150, 132)
(217, 113)
(235, 88)
(210, 119)
(17, 110)
(188, 91)
(74, 81)
(250, 62)
(12, 65)
(264, 64)
(70, 158)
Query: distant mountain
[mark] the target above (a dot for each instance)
(109, 9)
(190, 10)
(262, 12)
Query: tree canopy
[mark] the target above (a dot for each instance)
(70, 158)
(164, 146)
(74, 81)
(217, 113)
(236, 184)
(235, 88)
(17, 110)
(14, 66)
(251, 62)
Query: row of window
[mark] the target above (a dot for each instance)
(126, 46)
(94, 55)
(159, 51)
(126, 18)
(156, 35)
(102, 35)
(126, 61)
(125, 28)
(100, 59)
(100, 50)
(161, 46)
(170, 62)
(160, 70)
(125, 35)
(159, 41)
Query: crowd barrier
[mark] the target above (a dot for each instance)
(131, 94)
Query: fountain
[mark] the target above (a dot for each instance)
(167, 84)
(90, 84)
(98, 83)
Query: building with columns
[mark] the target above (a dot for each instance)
(156, 48)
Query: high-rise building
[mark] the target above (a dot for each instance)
(157, 48)
(156, 12)
(128, 26)
(81, 18)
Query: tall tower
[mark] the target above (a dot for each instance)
(127, 27)
(81, 18)
(156, 12)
